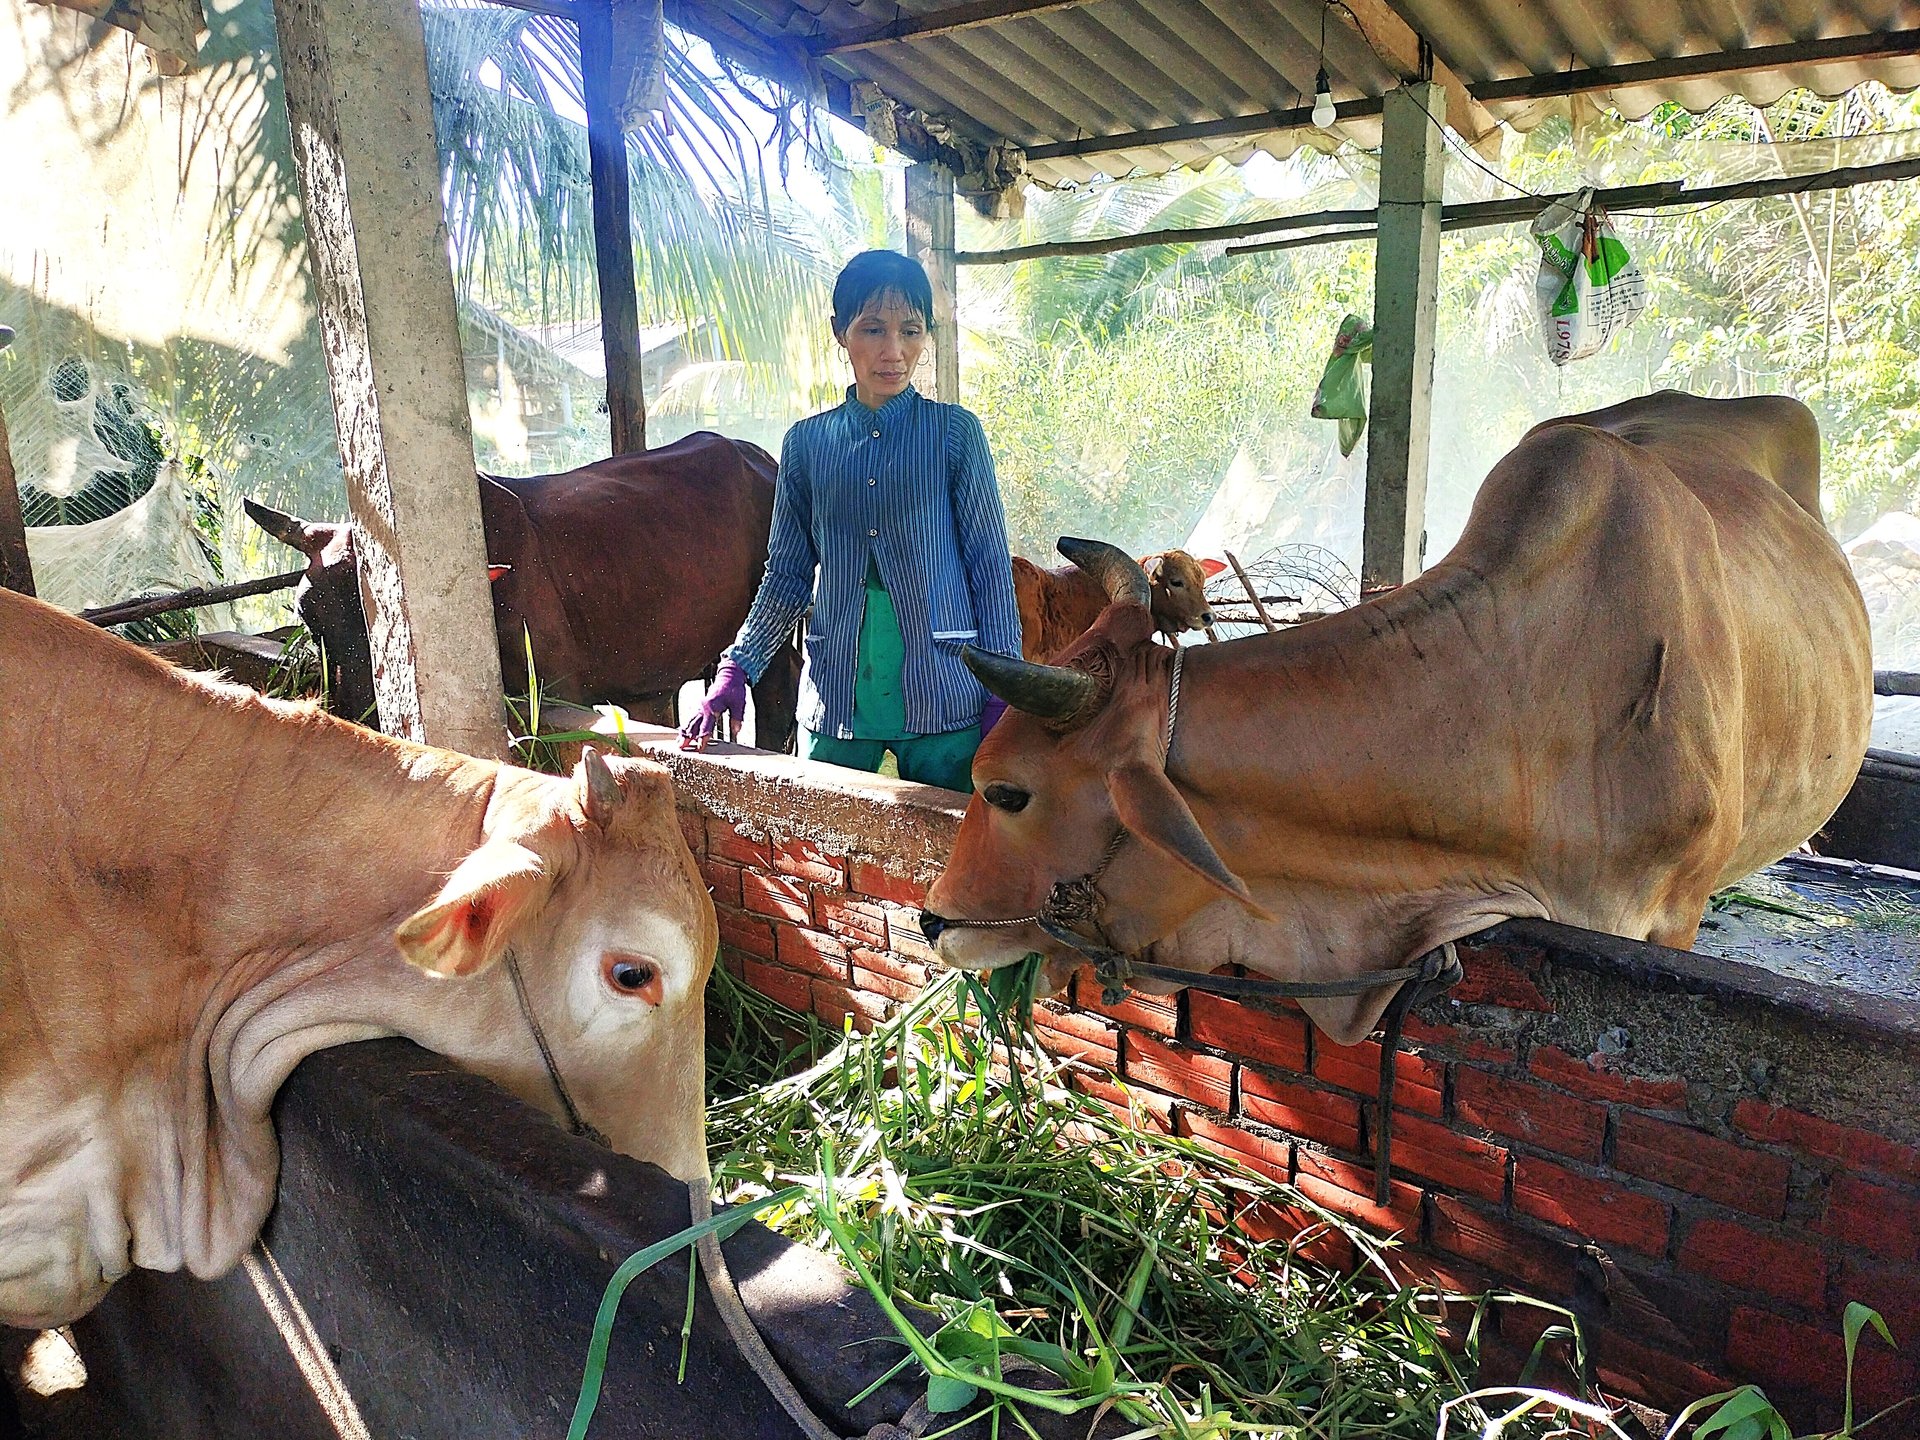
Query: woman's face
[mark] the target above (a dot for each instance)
(883, 343)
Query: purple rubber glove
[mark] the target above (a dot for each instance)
(726, 696)
(990, 714)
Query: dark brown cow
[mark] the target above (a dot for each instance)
(629, 576)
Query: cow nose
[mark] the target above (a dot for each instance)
(931, 925)
(1206, 618)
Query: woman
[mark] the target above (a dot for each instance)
(890, 498)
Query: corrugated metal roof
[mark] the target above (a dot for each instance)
(1103, 68)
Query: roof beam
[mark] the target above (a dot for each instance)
(1266, 122)
(940, 22)
(1396, 42)
(1882, 45)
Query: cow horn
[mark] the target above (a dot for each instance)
(1119, 573)
(599, 791)
(1051, 692)
(287, 529)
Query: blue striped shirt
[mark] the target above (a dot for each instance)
(909, 486)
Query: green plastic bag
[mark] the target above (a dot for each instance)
(1589, 287)
(1342, 392)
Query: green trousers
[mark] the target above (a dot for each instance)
(880, 710)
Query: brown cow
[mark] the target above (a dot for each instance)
(628, 577)
(199, 887)
(1058, 605)
(1643, 672)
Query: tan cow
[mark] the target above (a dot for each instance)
(1642, 673)
(1058, 605)
(199, 887)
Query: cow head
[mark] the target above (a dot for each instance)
(590, 886)
(328, 602)
(1077, 758)
(1179, 585)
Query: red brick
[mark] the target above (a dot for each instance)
(726, 843)
(1748, 1260)
(814, 952)
(870, 880)
(747, 933)
(1140, 1107)
(1273, 1038)
(878, 982)
(1272, 1158)
(1178, 1070)
(775, 895)
(885, 962)
(1777, 1352)
(1462, 1229)
(1702, 1164)
(1076, 1036)
(1417, 1081)
(787, 987)
(1650, 1374)
(1455, 1040)
(1527, 1112)
(834, 1003)
(723, 880)
(1315, 1114)
(693, 829)
(1882, 1221)
(1158, 1013)
(850, 919)
(1494, 976)
(1590, 1207)
(1347, 1189)
(1594, 1078)
(1893, 1290)
(1457, 1161)
(904, 937)
(1855, 1149)
(810, 863)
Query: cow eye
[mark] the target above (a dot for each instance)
(1176, 584)
(1010, 798)
(634, 976)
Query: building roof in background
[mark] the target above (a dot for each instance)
(1088, 87)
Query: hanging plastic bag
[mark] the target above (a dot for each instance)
(1342, 392)
(1589, 287)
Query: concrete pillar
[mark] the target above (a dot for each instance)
(612, 234)
(930, 241)
(363, 144)
(1405, 290)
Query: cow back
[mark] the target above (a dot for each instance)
(629, 576)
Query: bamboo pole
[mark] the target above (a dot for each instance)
(145, 607)
(1253, 594)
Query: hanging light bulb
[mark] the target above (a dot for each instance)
(1323, 113)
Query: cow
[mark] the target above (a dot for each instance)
(1057, 605)
(200, 886)
(627, 577)
(1643, 672)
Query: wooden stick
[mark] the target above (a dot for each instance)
(1253, 594)
(125, 612)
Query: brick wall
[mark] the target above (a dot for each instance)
(1704, 1161)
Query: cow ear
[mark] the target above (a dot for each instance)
(1211, 568)
(1148, 805)
(1152, 565)
(470, 921)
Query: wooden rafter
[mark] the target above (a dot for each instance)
(949, 21)
(1889, 44)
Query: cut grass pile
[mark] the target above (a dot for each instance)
(1035, 1222)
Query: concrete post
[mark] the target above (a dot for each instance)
(1405, 291)
(363, 144)
(930, 241)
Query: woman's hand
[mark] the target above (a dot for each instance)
(726, 696)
